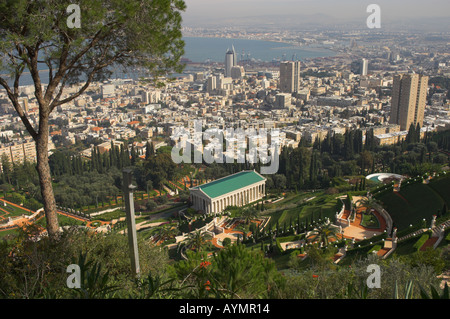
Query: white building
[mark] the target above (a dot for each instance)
(235, 190)
(108, 90)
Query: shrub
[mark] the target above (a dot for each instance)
(151, 205)
(226, 242)
(162, 200)
(17, 198)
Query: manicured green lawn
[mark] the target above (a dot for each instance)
(406, 247)
(321, 207)
(13, 210)
(442, 187)
(374, 248)
(95, 223)
(4, 233)
(412, 204)
(370, 221)
(116, 214)
(63, 221)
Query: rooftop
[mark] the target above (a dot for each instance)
(230, 183)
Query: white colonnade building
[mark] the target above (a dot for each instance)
(234, 190)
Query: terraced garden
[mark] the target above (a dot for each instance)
(417, 201)
(306, 209)
(12, 211)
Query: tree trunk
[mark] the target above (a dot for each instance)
(45, 181)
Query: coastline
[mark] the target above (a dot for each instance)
(209, 48)
(290, 44)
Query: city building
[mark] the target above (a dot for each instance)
(18, 152)
(230, 61)
(234, 190)
(290, 77)
(237, 72)
(151, 97)
(364, 67)
(108, 90)
(283, 100)
(409, 96)
(211, 84)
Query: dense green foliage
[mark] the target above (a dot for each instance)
(38, 270)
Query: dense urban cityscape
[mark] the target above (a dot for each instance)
(358, 130)
(349, 91)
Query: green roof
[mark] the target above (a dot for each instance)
(230, 183)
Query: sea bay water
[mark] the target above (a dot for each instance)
(202, 49)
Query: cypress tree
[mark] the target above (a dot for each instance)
(417, 133)
(148, 150)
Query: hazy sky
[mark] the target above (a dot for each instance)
(207, 10)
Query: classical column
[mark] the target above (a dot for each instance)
(131, 221)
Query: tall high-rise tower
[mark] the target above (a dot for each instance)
(364, 67)
(409, 96)
(230, 61)
(290, 77)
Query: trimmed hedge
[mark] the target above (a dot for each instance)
(382, 188)
(410, 230)
(374, 239)
(385, 191)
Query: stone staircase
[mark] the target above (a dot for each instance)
(436, 230)
(446, 224)
(416, 233)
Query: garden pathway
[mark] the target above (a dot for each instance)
(358, 232)
(228, 234)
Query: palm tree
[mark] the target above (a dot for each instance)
(196, 240)
(248, 213)
(167, 232)
(324, 232)
(369, 203)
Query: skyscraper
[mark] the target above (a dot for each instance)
(290, 77)
(212, 84)
(230, 61)
(409, 96)
(364, 67)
